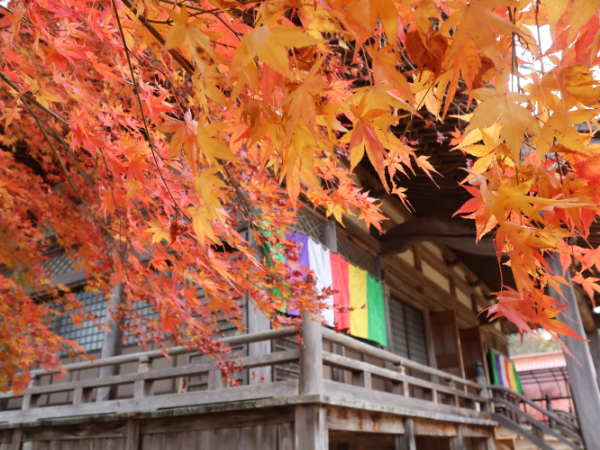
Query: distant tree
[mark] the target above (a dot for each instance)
(532, 343)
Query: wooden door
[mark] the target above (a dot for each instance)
(446, 341)
(471, 345)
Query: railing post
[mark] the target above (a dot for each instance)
(551, 422)
(30, 400)
(82, 395)
(215, 380)
(311, 361)
(258, 322)
(110, 342)
(482, 381)
(405, 386)
(143, 388)
(362, 379)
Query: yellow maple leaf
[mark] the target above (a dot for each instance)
(268, 44)
(182, 30)
(515, 120)
(214, 149)
(158, 232)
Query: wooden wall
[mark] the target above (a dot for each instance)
(240, 430)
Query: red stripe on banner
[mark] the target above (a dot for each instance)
(339, 275)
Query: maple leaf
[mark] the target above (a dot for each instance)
(213, 148)
(515, 120)
(181, 30)
(184, 135)
(364, 136)
(589, 285)
(169, 322)
(476, 19)
(268, 44)
(158, 232)
(10, 114)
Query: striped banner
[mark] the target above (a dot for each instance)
(358, 306)
(503, 372)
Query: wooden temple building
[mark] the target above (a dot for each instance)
(426, 390)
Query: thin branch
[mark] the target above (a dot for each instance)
(62, 166)
(137, 94)
(32, 99)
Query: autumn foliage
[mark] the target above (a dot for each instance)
(144, 137)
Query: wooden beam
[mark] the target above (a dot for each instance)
(127, 406)
(449, 232)
(584, 385)
(180, 350)
(356, 420)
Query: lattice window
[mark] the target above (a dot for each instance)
(355, 255)
(58, 264)
(307, 224)
(88, 336)
(142, 311)
(408, 331)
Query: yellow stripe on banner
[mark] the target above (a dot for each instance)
(511, 377)
(359, 317)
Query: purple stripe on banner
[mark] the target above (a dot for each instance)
(499, 369)
(303, 262)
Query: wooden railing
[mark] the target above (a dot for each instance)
(509, 414)
(378, 376)
(403, 381)
(82, 392)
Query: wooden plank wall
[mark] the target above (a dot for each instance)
(270, 429)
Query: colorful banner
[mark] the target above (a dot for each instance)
(503, 372)
(356, 290)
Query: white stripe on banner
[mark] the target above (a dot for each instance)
(320, 264)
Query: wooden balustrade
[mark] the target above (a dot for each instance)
(512, 416)
(409, 385)
(441, 391)
(144, 379)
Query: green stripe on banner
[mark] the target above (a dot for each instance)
(376, 310)
(518, 380)
(495, 380)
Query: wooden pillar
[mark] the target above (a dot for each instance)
(15, 442)
(584, 386)
(458, 442)
(329, 240)
(481, 380)
(310, 428)
(594, 344)
(431, 359)
(258, 322)
(132, 435)
(407, 440)
(311, 362)
(110, 342)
